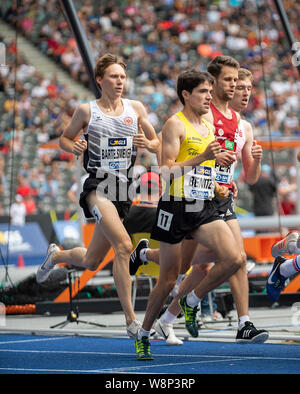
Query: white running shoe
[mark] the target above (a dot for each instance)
(167, 332)
(45, 269)
(282, 247)
(133, 329)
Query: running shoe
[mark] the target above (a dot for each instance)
(142, 347)
(250, 334)
(133, 329)
(167, 332)
(282, 247)
(135, 261)
(275, 282)
(45, 268)
(190, 315)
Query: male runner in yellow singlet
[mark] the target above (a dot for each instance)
(187, 207)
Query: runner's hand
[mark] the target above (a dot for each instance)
(79, 147)
(212, 150)
(225, 158)
(221, 191)
(139, 139)
(256, 151)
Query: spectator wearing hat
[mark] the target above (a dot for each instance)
(142, 215)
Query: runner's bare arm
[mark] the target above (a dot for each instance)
(173, 134)
(251, 155)
(146, 137)
(78, 123)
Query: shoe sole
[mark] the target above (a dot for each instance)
(145, 358)
(278, 252)
(260, 338)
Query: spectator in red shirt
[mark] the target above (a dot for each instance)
(23, 188)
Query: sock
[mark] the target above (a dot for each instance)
(192, 300)
(168, 318)
(290, 267)
(143, 333)
(176, 287)
(242, 321)
(143, 255)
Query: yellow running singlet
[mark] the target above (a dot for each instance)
(197, 183)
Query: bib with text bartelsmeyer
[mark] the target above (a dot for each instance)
(115, 153)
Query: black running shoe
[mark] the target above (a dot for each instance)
(250, 334)
(135, 261)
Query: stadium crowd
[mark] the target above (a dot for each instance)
(158, 39)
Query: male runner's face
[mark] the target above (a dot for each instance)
(225, 83)
(242, 95)
(113, 81)
(200, 98)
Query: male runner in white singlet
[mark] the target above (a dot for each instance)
(113, 129)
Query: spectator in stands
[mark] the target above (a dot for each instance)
(264, 192)
(23, 187)
(30, 204)
(141, 216)
(49, 187)
(287, 191)
(18, 212)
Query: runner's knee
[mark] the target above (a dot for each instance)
(92, 263)
(244, 258)
(123, 249)
(234, 261)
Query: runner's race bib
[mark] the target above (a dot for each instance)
(198, 183)
(225, 174)
(116, 153)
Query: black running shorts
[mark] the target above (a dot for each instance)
(116, 192)
(226, 207)
(176, 219)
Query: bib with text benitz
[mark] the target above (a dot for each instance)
(225, 174)
(198, 183)
(116, 153)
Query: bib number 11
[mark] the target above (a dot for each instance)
(164, 220)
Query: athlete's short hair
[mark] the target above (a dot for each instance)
(190, 79)
(215, 66)
(244, 73)
(105, 61)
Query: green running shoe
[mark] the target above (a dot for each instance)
(143, 349)
(190, 317)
